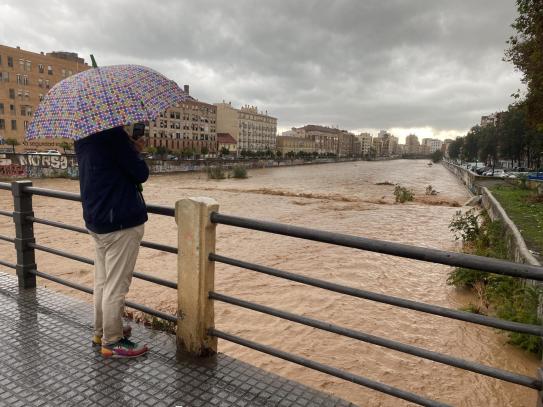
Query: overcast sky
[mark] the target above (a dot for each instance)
(429, 66)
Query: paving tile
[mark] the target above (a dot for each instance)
(47, 360)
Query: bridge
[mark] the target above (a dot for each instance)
(45, 331)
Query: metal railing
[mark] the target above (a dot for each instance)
(197, 219)
(395, 249)
(25, 244)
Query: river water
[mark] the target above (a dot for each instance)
(339, 197)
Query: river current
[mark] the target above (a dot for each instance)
(343, 197)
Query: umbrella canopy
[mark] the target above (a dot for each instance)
(102, 98)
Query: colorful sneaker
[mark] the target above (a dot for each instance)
(127, 332)
(124, 348)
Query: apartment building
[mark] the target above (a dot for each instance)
(431, 145)
(365, 140)
(287, 144)
(389, 144)
(412, 145)
(252, 129)
(25, 78)
(326, 138)
(190, 125)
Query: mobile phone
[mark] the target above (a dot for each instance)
(138, 130)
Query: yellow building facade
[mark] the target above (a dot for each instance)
(252, 129)
(25, 78)
(191, 125)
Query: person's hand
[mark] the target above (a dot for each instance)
(139, 144)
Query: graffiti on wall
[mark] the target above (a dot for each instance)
(38, 166)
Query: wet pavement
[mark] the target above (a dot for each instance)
(47, 360)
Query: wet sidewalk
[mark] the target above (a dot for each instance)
(46, 360)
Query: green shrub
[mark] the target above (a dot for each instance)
(403, 194)
(465, 226)
(215, 173)
(239, 171)
(511, 298)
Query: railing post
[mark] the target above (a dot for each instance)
(24, 234)
(196, 275)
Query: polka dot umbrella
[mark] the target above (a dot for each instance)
(102, 98)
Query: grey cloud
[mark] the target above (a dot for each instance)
(353, 63)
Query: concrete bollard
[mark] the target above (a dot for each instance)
(196, 275)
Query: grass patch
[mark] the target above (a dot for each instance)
(525, 208)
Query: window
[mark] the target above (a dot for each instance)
(19, 79)
(10, 62)
(22, 64)
(0, 59)
(12, 109)
(40, 83)
(63, 73)
(25, 79)
(4, 76)
(40, 68)
(1, 108)
(41, 97)
(49, 69)
(12, 93)
(23, 110)
(14, 125)
(70, 73)
(27, 95)
(20, 93)
(25, 124)
(2, 124)
(28, 66)
(47, 83)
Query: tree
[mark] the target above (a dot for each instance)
(225, 151)
(151, 150)
(471, 143)
(525, 52)
(437, 156)
(278, 154)
(455, 148)
(12, 142)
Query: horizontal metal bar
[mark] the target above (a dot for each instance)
(61, 253)
(5, 185)
(141, 276)
(7, 238)
(386, 299)
(381, 246)
(151, 245)
(88, 290)
(161, 210)
(6, 264)
(387, 343)
(70, 196)
(383, 388)
(159, 246)
(7, 213)
(57, 224)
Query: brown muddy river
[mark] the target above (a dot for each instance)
(336, 197)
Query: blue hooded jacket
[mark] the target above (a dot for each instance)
(110, 170)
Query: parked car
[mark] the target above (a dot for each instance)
(482, 170)
(497, 172)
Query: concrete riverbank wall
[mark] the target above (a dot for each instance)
(478, 185)
(18, 166)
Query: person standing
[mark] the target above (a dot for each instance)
(110, 174)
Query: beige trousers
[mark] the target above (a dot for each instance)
(116, 255)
